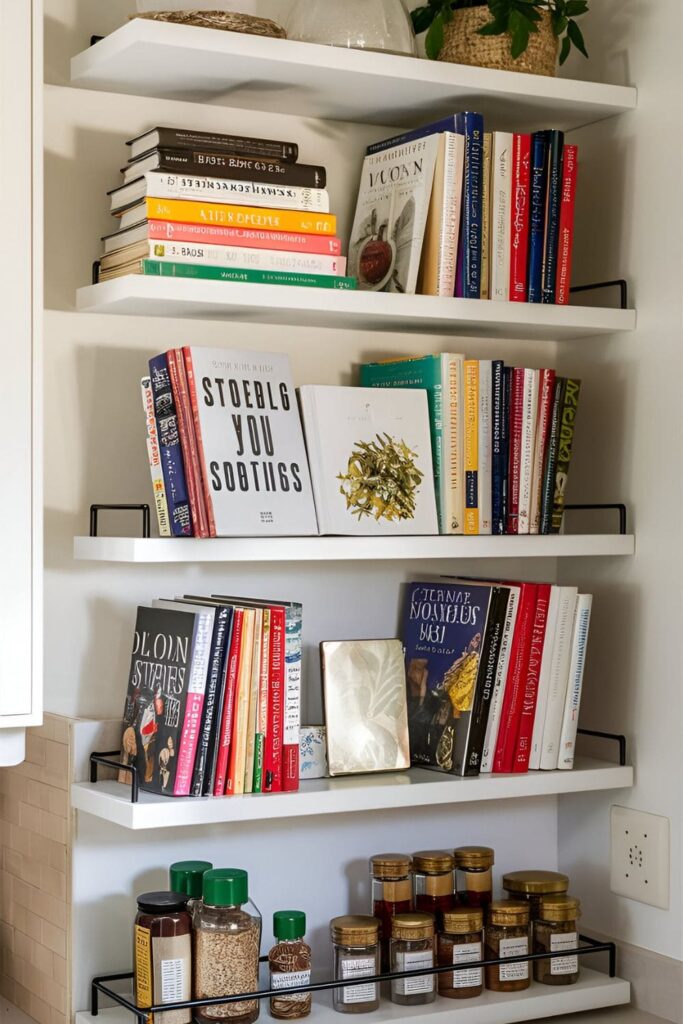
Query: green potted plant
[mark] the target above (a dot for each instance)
(512, 35)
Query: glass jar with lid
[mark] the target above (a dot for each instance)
(473, 875)
(188, 876)
(434, 883)
(461, 942)
(355, 939)
(507, 935)
(412, 948)
(163, 953)
(392, 893)
(555, 930)
(532, 885)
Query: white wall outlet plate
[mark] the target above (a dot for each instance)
(639, 866)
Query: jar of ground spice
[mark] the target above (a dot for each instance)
(473, 875)
(507, 935)
(163, 954)
(555, 930)
(530, 886)
(412, 948)
(392, 893)
(461, 942)
(434, 883)
(355, 941)
(290, 966)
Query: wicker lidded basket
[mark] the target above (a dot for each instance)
(463, 45)
(226, 21)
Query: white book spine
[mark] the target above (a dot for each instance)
(154, 456)
(559, 675)
(500, 226)
(485, 440)
(454, 454)
(570, 720)
(498, 692)
(247, 259)
(544, 677)
(238, 193)
(454, 161)
(529, 411)
(546, 389)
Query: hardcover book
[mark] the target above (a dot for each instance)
(184, 138)
(209, 234)
(225, 165)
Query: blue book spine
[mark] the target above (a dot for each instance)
(552, 232)
(497, 449)
(539, 185)
(505, 426)
(446, 124)
(169, 446)
(472, 127)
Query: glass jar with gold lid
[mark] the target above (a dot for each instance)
(461, 942)
(507, 935)
(392, 893)
(434, 883)
(473, 875)
(355, 940)
(412, 948)
(556, 930)
(532, 885)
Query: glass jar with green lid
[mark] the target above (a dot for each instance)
(355, 938)
(532, 885)
(507, 935)
(555, 930)
(290, 966)
(187, 876)
(412, 949)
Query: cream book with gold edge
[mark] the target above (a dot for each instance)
(370, 455)
(366, 713)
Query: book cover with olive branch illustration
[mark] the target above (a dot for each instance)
(370, 457)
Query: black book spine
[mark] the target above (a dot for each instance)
(486, 677)
(214, 738)
(241, 145)
(209, 706)
(552, 224)
(548, 492)
(239, 168)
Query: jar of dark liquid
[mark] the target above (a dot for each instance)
(392, 893)
(507, 935)
(434, 883)
(556, 930)
(473, 875)
(163, 954)
(530, 886)
(461, 942)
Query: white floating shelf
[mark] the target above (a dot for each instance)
(348, 549)
(145, 58)
(414, 788)
(136, 295)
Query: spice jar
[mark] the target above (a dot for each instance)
(473, 875)
(461, 942)
(355, 940)
(412, 948)
(187, 876)
(532, 885)
(434, 883)
(290, 965)
(554, 931)
(226, 949)
(507, 935)
(392, 893)
(163, 954)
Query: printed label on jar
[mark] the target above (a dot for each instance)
(468, 952)
(564, 964)
(413, 962)
(290, 979)
(514, 947)
(143, 966)
(358, 967)
(172, 971)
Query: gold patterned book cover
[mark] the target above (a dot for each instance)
(366, 713)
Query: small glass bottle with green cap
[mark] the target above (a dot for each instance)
(187, 877)
(227, 931)
(290, 965)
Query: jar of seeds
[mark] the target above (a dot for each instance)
(226, 950)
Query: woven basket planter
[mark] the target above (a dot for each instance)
(463, 45)
(226, 21)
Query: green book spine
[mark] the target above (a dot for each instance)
(422, 373)
(572, 390)
(258, 763)
(206, 273)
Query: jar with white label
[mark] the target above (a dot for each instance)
(412, 948)
(356, 955)
(163, 954)
(507, 935)
(460, 943)
(289, 961)
(554, 931)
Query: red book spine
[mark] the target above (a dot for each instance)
(513, 695)
(530, 689)
(520, 213)
(248, 238)
(192, 392)
(232, 668)
(272, 760)
(565, 243)
(515, 435)
(186, 431)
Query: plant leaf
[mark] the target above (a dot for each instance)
(576, 36)
(519, 30)
(564, 51)
(447, 14)
(422, 19)
(434, 38)
(574, 8)
(492, 28)
(559, 23)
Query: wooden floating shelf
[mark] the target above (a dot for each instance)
(145, 58)
(414, 788)
(137, 295)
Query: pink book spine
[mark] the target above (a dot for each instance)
(225, 738)
(192, 722)
(519, 233)
(272, 761)
(565, 243)
(210, 234)
(530, 694)
(194, 406)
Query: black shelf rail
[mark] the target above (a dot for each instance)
(613, 737)
(101, 985)
(142, 508)
(619, 283)
(615, 506)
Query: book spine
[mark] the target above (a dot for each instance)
(186, 434)
(497, 447)
(497, 696)
(572, 390)
(450, 213)
(519, 233)
(471, 416)
(262, 713)
(242, 193)
(194, 406)
(244, 259)
(485, 284)
(565, 244)
(154, 457)
(240, 145)
(455, 491)
(228, 718)
(486, 679)
(472, 127)
(527, 714)
(446, 124)
(170, 449)
(559, 674)
(436, 410)
(189, 737)
(552, 225)
(207, 273)
(292, 722)
(238, 745)
(228, 165)
(256, 217)
(272, 774)
(516, 680)
(550, 461)
(484, 447)
(254, 692)
(539, 188)
(570, 720)
(500, 215)
(546, 390)
(217, 723)
(201, 764)
(505, 439)
(529, 412)
(556, 598)
(207, 234)
(515, 457)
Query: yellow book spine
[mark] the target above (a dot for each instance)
(255, 682)
(471, 446)
(243, 698)
(484, 287)
(187, 211)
